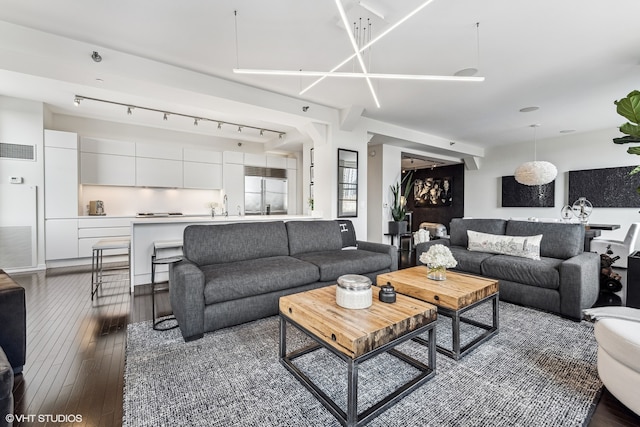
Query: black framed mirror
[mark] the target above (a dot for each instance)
(347, 183)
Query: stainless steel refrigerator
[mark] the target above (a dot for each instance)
(265, 191)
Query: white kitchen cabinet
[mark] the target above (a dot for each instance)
(235, 157)
(155, 151)
(90, 230)
(60, 174)
(202, 175)
(158, 173)
(61, 239)
(107, 146)
(233, 180)
(107, 169)
(292, 163)
(278, 162)
(202, 156)
(251, 159)
(292, 192)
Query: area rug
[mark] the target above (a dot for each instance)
(539, 370)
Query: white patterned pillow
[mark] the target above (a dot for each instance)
(521, 246)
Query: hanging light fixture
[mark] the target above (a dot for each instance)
(535, 172)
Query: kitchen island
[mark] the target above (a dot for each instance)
(145, 231)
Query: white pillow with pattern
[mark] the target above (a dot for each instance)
(520, 246)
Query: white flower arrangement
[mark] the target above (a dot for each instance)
(438, 256)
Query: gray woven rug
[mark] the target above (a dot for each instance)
(540, 370)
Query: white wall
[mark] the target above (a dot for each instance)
(592, 150)
(21, 122)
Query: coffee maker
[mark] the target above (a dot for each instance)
(96, 207)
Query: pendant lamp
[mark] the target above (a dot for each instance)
(535, 172)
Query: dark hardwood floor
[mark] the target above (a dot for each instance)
(76, 350)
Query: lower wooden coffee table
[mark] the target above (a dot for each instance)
(355, 336)
(457, 294)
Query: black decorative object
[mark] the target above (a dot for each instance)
(387, 293)
(605, 188)
(516, 195)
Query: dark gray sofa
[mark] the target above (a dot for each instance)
(564, 281)
(235, 273)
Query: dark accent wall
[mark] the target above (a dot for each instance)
(443, 212)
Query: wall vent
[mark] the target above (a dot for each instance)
(17, 151)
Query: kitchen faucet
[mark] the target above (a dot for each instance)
(226, 207)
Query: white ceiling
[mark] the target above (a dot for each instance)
(571, 58)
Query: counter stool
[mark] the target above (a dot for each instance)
(98, 271)
(174, 249)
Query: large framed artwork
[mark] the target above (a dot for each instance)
(432, 192)
(516, 195)
(605, 188)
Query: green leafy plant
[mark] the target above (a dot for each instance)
(399, 206)
(629, 108)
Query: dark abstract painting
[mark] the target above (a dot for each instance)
(516, 195)
(605, 188)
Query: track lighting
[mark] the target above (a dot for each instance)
(165, 115)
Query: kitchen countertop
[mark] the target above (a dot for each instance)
(216, 219)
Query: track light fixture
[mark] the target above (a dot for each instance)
(165, 115)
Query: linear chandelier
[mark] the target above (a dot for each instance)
(165, 115)
(357, 54)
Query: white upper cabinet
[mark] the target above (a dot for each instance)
(107, 146)
(60, 174)
(107, 169)
(202, 175)
(158, 173)
(234, 157)
(292, 163)
(251, 159)
(201, 156)
(276, 162)
(155, 151)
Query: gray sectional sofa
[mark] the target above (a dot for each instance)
(235, 273)
(565, 280)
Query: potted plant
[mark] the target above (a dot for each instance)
(629, 108)
(399, 205)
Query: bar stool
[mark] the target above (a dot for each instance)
(98, 271)
(175, 249)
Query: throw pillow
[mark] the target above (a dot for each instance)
(520, 246)
(348, 234)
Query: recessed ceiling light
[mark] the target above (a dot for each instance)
(567, 130)
(529, 109)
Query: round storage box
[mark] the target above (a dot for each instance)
(353, 291)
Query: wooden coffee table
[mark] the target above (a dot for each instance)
(457, 294)
(355, 336)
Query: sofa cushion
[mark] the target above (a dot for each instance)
(333, 264)
(544, 273)
(469, 261)
(520, 246)
(230, 281)
(313, 236)
(214, 244)
(561, 240)
(348, 234)
(459, 226)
